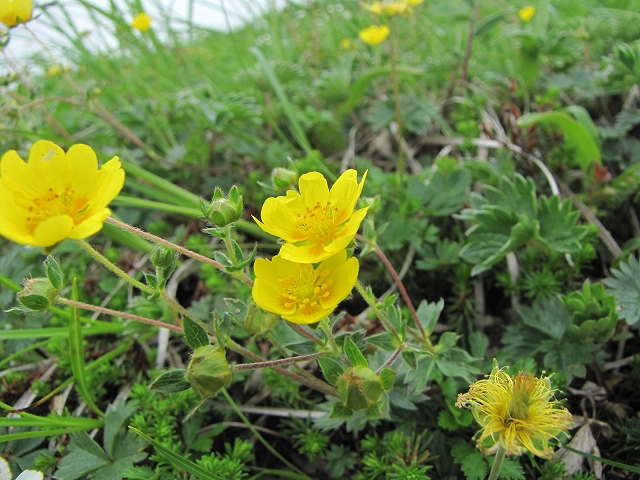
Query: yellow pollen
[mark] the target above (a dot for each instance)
(318, 222)
(305, 288)
(53, 203)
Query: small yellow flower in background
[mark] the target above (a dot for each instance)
(54, 195)
(374, 35)
(300, 292)
(518, 412)
(413, 3)
(141, 22)
(53, 70)
(315, 223)
(527, 13)
(346, 44)
(389, 8)
(13, 12)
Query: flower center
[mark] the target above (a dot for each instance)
(318, 222)
(53, 203)
(304, 289)
(520, 403)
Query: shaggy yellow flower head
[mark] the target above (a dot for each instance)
(388, 8)
(300, 292)
(141, 22)
(519, 412)
(374, 35)
(13, 12)
(527, 13)
(54, 195)
(317, 222)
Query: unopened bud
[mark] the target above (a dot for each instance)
(208, 370)
(359, 387)
(283, 179)
(372, 202)
(38, 294)
(163, 257)
(224, 210)
(258, 321)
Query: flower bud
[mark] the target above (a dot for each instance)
(224, 210)
(283, 179)
(163, 257)
(359, 387)
(208, 370)
(258, 321)
(372, 202)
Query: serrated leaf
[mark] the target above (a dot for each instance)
(54, 272)
(354, 354)
(330, 369)
(428, 314)
(624, 286)
(194, 334)
(576, 136)
(474, 466)
(115, 418)
(338, 410)
(511, 469)
(171, 381)
(547, 316)
(558, 229)
(85, 456)
(384, 340)
(387, 378)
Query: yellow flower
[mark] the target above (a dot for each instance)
(300, 292)
(518, 412)
(315, 223)
(388, 8)
(374, 34)
(55, 195)
(13, 12)
(346, 44)
(527, 13)
(141, 22)
(413, 3)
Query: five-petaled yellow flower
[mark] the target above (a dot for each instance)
(13, 12)
(54, 195)
(388, 8)
(374, 34)
(527, 13)
(518, 412)
(302, 293)
(317, 222)
(141, 22)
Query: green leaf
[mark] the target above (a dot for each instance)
(547, 316)
(354, 354)
(387, 378)
(624, 285)
(576, 136)
(114, 420)
(330, 369)
(428, 314)
(178, 460)
(171, 381)
(54, 272)
(558, 229)
(85, 456)
(383, 340)
(359, 87)
(410, 358)
(474, 466)
(76, 354)
(34, 302)
(194, 334)
(510, 470)
(338, 410)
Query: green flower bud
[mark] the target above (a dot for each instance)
(224, 210)
(359, 387)
(258, 321)
(283, 179)
(372, 202)
(163, 257)
(208, 370)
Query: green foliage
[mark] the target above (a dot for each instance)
(624, 286)
(510, 217)
(593, 312)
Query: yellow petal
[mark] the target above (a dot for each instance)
(304, 319)
(90, 226)
(280, 221)
(343, 276)
(345, 193)
(313, 188)
(53, 230)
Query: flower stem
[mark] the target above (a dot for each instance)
(306, 333)
(396, 98)
(116, 313)
(113, 267)
(314, 383)
(391, 359)
(185, 251)
(497, 463)
(184, 312)
(372, 304)
(326, 328)
(275, 363)
(398, 280)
